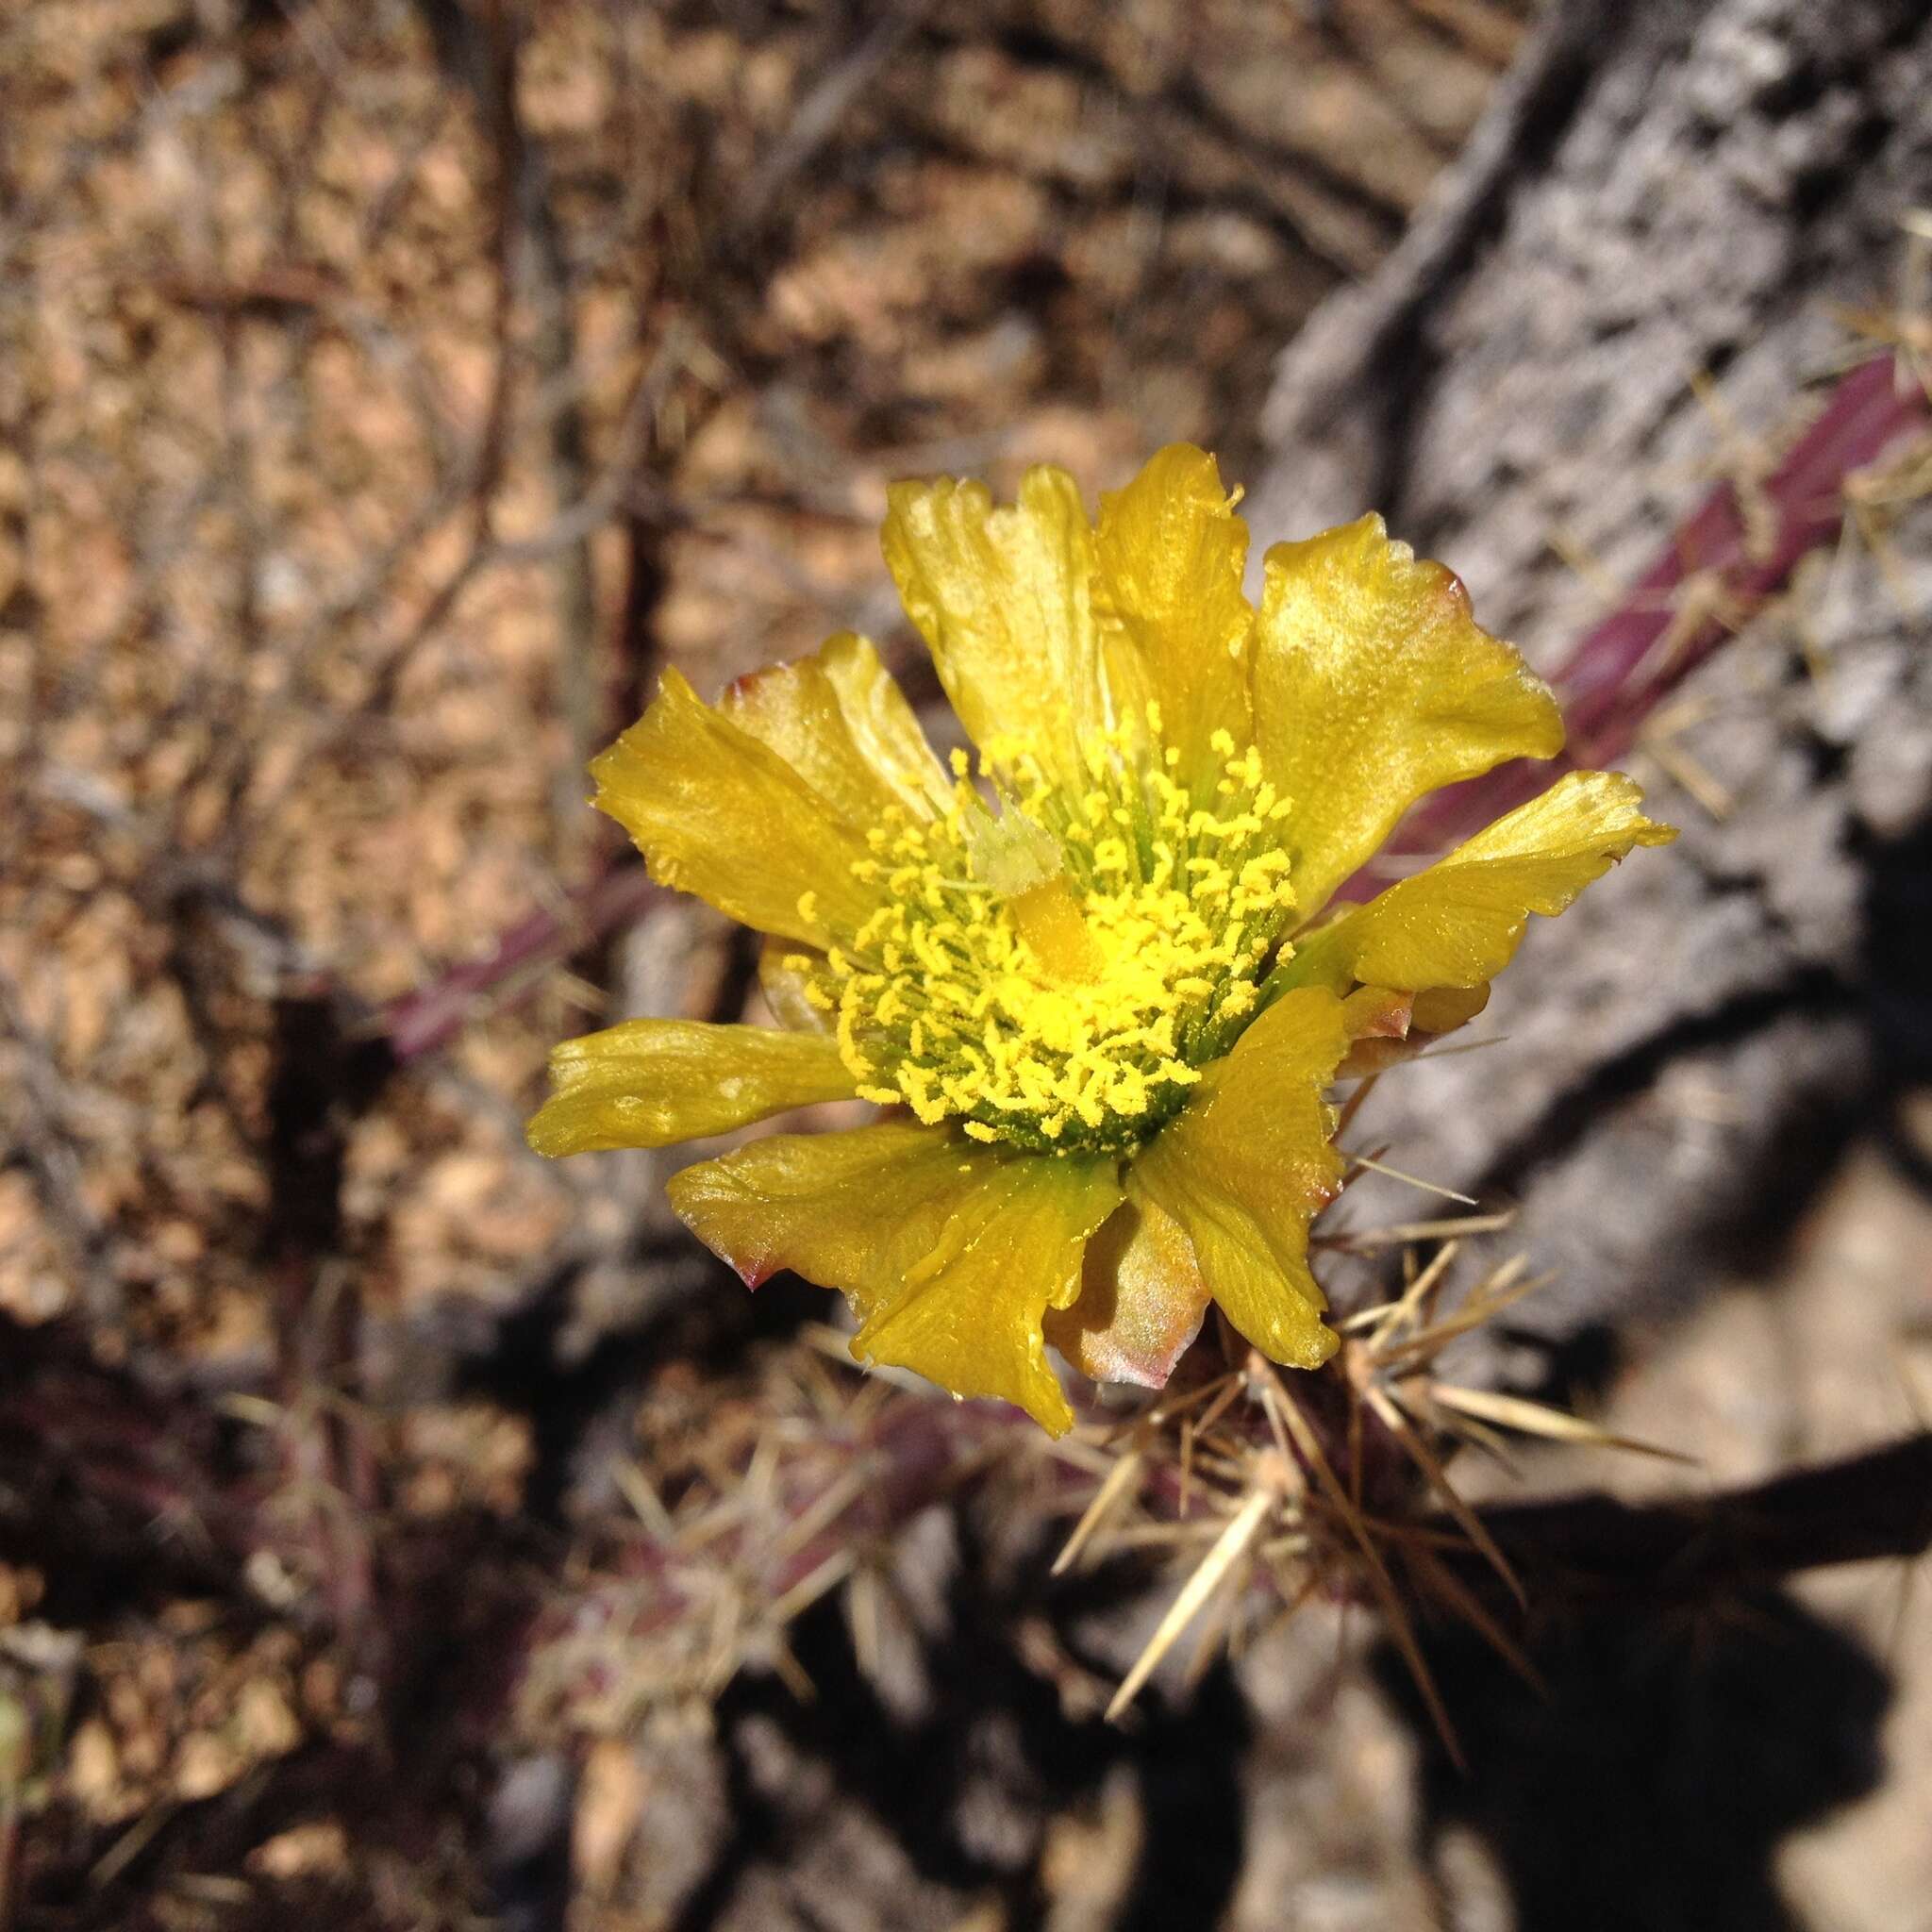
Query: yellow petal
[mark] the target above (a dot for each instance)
(1373, 686)
(1247, 1164)
(1426, 1017)
(841, 722)
(1371, 1012)
(1172, 551)
(784, 970)
(1460, 922)
(648, 1083)
(1005, 600)
(1141, 1303)
(950, 1252)
(1440, 1010)
(717, 813)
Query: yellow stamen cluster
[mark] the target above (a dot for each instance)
(1057, 974)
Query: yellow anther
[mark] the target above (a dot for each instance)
(1054, 973)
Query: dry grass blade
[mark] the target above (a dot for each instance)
(1219, 1391)
(1160, 1536)
(1229, 1547)
(1079, 1451)
(1492, 1443)
(1484, 1305)
(809, 1590)
(1224, 1629)
(832, 1504)
(1424, 1459)
(1536, 1419)
(1392, 1315)
(1436, 1577)
(1685, 770)
(1308, 1446)
(1405, 1535)
(1119, 1478)
(1413, 1181)
(863, 1618)
(1464, 1046)
(646, 1503)
(1353, 1104)
(1297, 1593)
(791, 1673)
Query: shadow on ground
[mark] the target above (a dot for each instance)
(1652, 1781)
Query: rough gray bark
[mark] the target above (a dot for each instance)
(1662, 189)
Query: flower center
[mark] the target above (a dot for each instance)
(1056, 975)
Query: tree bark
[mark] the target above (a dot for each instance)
(1663, 191)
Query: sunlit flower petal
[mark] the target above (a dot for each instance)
(1088, 982)
(950, 1252)
(1247, 1164)
(648, 1083)
(717, 813)
(1172, 551)
(1005, 599)
(1413, 1023)
(786, 977)
(841, 723)
(1373, 686)
(1458, 924)
(1141, 1300)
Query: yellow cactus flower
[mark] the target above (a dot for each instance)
(1099, 992)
